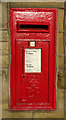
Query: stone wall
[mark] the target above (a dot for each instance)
(4, 56)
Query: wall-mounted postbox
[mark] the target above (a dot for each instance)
(33, 58)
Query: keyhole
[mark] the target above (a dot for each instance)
(23, 76)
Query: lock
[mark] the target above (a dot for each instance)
(33, 58)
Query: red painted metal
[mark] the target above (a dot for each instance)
(32, 91)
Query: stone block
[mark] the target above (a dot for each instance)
(7, 113)
(61, 20)
(55, 114)
(36, 4)
(60, 44)
(61, 61)
(65, 79)
(60, 94)
(5, 85)
(4, 61)
(60, 82)
(1, 35)
(4, 48)
(0, 16)
(5, 36)
(4, 15)
(39, 114)
(60, 104)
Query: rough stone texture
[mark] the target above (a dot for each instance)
(60, 104)
(4, 15)
(0, 86)
(49, 114)
(5, 84)
(65, 105)
(5, 61)
(0, 18)
(65, 79)
(0, 35)
(3, 47)
(65, 48)
(60, 44)
(7, 113)
(60, 19)
(35, 0)
(0, 47)
(55, 114)
(1, 11)
(5, 37)
(0, 73)
(60, 82)
(61, 61)
(39, 114)
(60, 94)
(37, 4)
(65, 56)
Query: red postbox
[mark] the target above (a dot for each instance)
(33, 58)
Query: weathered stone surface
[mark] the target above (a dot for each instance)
(0, 35)
(5, 36)
(0, 47)
(60, 104)
(5, 84)
(60, 19)
(33, 1)
(37, 4)
(3, 47)
(6, 113)
(60, 93)
(0, 86)
(65, 48)
(0, 17)
(65, 79)
(55, 114)
(4, 15)
(65, 100)
(0, 60)
(61, 61)
(4, 61)
(60, 82)
(60, 44)
(49, 114)
(39, 114)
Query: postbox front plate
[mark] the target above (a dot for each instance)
(33, 58)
